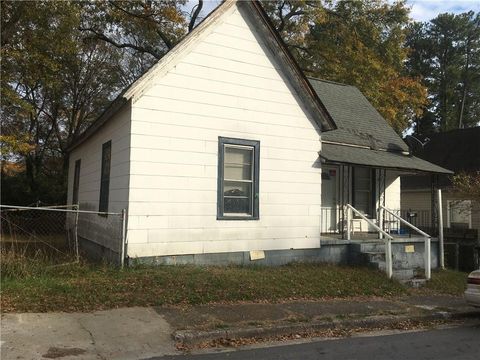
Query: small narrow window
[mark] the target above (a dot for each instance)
(76, 182)
(105, 177)
(364, 190)
(238, 179)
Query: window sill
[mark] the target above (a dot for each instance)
(227, 217)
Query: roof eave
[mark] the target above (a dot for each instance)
(111, 110)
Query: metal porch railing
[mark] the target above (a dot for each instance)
(427, 258)
(388, 240)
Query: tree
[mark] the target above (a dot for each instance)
(467, 185)
(446, 54)
(62, 64)
(361, 43)
(53, 85)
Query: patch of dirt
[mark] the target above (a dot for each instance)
(55, 352)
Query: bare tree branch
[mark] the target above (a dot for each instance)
(103, 37)
(148, 17)
(194, 17)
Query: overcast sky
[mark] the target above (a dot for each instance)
(421, 10)
(424, 10)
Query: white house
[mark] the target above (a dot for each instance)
(225, 147)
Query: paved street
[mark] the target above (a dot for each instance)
(453, 343)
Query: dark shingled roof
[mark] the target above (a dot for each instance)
(357, 120)
(377, 158)
(458, 150)
(375, 142)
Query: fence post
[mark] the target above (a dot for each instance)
(124, 239)
(440, 230)
(77, 253)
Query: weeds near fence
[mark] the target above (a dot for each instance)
(20, 264)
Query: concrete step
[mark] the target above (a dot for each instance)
(374, 256)
(415, 282)
(398, 274)
(408, 238)
(368, 246)
(403, 274)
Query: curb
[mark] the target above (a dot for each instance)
(193, 337)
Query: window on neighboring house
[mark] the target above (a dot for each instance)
(105, 176)
(76, 182)
(364, 190)
(459, 214)
(238, 179)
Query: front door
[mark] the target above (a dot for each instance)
(329, 214)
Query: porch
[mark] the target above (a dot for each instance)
(361, 209)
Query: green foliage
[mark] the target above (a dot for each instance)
(64, 61)
(54, 84)
(360, 43)
(57, 77)
(445, 52)
(467, 185)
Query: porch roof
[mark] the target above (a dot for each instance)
(343, 154)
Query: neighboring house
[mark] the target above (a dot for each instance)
(458, 150)
(225, 147)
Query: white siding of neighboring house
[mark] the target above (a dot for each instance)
(421, 200)
(230, 86)
(103, 230)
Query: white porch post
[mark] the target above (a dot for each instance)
(428, 266)
(380, 222)
(440, 230)
(388, 258)
(348, 213)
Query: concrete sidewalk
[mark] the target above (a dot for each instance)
(207, 323)
(129, 333)
(136, 333)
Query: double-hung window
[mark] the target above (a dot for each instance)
(238, 179)
(459, 214)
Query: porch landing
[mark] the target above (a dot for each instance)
(367, 249)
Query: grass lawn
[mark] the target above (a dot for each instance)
(447, 282)
(34, 287)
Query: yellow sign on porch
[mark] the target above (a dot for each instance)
(409, 248)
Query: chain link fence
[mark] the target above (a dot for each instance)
(58, 232)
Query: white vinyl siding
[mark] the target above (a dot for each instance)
(116, 130)
(227, 86)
